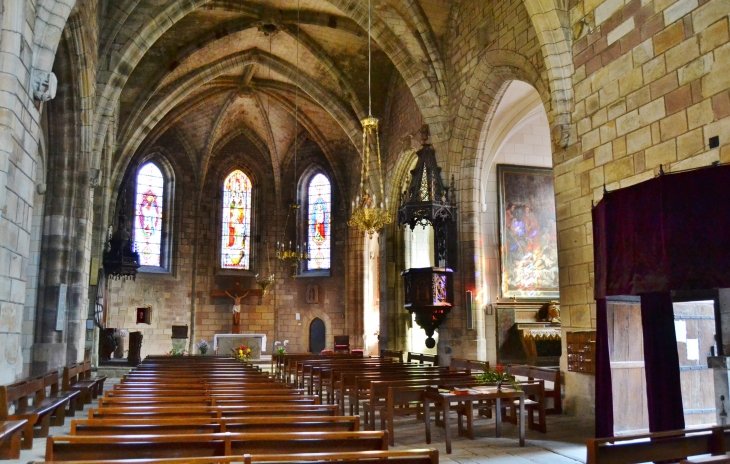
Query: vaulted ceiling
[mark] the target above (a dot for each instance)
(212, 70)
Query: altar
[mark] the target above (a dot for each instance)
(224, 343)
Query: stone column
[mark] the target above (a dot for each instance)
(66, 239)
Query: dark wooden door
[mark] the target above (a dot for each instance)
(317, 336)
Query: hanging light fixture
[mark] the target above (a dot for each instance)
(367, 214)
(293, 253)
(264, 283)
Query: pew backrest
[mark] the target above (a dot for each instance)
(423, 358)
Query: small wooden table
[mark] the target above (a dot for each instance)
(483, 394)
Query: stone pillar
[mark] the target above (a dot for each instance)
(66, 239)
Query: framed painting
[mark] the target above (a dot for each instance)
(527, 233)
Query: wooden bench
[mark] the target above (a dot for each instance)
(392, 354)
(662, 446)
(423, 358)
(213, 411)
(107, 447)
(11, 433)
(412, 456)
(52, 381)
(469, 365)
(207, 400)
(548, 375)
(158, 426)
(77, 377)
(30, 402)
(241, 391)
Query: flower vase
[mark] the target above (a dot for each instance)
(499, 385)
(203, 351)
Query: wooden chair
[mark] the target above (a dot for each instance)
(342, 344)
(423, 358)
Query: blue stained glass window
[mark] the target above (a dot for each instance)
(148, 215)
(236, 237)
(319, 237)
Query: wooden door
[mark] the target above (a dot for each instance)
(317, 336)
(695, 327)
(626, 351)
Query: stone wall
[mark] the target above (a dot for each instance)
(651, 87)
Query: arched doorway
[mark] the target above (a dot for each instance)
(317, 336)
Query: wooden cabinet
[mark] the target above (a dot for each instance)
(582, 351)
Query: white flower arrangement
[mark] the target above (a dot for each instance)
(203, 346)
(280, 347)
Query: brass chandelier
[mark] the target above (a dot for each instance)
(367, 214)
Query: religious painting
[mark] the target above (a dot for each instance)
(148, 215)
(528, 233)
(236, 236)
(319, 219)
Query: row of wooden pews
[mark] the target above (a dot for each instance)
(215, 409)
(389, 388)
(30, 406)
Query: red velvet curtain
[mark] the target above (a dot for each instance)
(668, 233)
(604, 389)
(661, 363)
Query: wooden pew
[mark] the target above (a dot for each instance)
(413, 456)
(548, 375)
(662, 446)
(376, 399)
(73, 448)
(207, 400)
(352, 383)
(213, 411)
(32, 406)
(162, 391)
(158, 426)
(11, 433)
(77, 377)
(423, 358)
(396, 355)
(469, 365)
(52, 381)
(281, 362)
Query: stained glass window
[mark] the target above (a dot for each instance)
(236, 238)
(319, 219)
(148, 215)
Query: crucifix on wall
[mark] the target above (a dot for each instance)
(237, 293)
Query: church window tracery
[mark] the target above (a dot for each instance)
(149, 208)
(319, 219)
(236, 237)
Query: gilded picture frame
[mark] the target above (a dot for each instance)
(527, 233)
